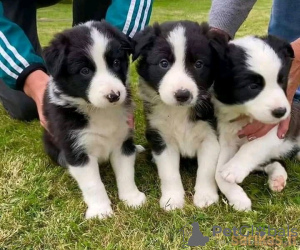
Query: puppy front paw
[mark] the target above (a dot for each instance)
(134, 199)
(234, 173)
(171, 201)
(205, 198)
(240, 201)
(100, 212)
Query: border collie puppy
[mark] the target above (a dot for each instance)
(175, 69)
(251, 85)
(87, 103)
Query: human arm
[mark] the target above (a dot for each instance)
(35, 86)
(129, 16)
(228, 15)
(20, 67)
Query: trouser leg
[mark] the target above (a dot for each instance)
(128, 16)
(285, 19)
(285, 22)
(23, 13)
(17, 104)
(46, 3)
(86, 10)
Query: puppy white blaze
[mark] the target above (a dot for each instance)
(104, 81)
(89, 24)
(263, 60)
(177, 78)
(177, 40)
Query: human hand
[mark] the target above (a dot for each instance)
(35, 86)
(130, 121)
(294, 77)
(257, 129)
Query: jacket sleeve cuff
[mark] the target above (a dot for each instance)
(26, 72)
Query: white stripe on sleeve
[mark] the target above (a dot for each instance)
(129, 16)
(10, 60)
(7, 71)
(146, 14)
(137, 20)
(13, 50)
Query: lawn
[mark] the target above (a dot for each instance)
(41, 206)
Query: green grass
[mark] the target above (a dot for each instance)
(41, 206)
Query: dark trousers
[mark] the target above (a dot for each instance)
(23, 12)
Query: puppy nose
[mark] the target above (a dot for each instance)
(113, 96)
(279, 112)
(182, 95)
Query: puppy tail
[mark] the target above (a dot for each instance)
(54, 153)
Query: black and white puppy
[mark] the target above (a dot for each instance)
(87, 103)
(251, 85)
(175, 69)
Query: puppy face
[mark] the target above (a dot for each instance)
(89, 63)
(253, 73)
(175, 61)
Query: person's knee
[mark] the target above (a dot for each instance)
(22, 113)
(25, 112)
(18, 105)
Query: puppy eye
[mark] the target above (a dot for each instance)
(255, 83)
(198, 64)
(254, 86)
(85, 71)
(116, 64)
(164, 63)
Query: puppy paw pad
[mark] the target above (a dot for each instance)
(277, 183)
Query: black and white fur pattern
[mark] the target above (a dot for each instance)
(175, 69)
(251, 85)
(87, 103)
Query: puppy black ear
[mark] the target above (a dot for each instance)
(104, 27)
(289, 51)
(205, 28)
(54, 54)
(127, 44)
(279, 45)
(218, 44)
(143, 40)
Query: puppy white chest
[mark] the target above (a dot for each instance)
(178, 130)
(229, 132)
(106, 130)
